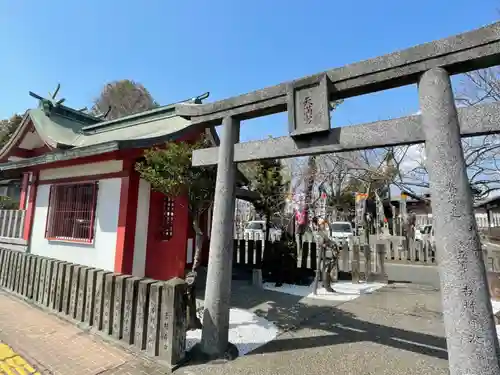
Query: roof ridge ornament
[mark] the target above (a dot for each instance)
(199, 99)
(105, 114)
(48, 105)
(51, 102)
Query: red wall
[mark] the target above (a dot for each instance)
(167, 259)
(164, 259)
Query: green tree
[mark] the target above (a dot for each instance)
(267, 180)
(170, 172)
(8, 127)
(7, 203)
(123, 98)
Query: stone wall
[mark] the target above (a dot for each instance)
(147, 315)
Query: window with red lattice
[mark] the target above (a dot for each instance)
(167, 227)
(71, 212)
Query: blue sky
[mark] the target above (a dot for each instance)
(179, 49)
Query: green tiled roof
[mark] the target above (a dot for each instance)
(64, 129)
(77, 134)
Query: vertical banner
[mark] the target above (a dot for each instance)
(402, 212)
(360, 204)
(360, 208)
(322, 200)
(381, 220)
(394, 221)
(322, 206)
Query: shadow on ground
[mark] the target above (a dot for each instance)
(297, 316)
(342, 327)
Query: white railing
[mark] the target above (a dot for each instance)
(491, 254)
(12, 223)
(256, 236)
(250, 252)
(481, 219)
(421, 252)
(398, 251)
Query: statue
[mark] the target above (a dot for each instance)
(327, 254)
(411, 223)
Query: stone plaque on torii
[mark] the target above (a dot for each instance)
(470, 329)
(309, 106)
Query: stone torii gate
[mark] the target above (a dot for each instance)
(470, 329)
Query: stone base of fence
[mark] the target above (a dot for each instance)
(257, 278)
(143, 315)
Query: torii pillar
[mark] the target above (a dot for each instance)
(215, 340)
(470, 329)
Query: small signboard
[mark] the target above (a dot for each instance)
(309, 106)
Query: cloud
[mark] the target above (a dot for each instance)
(414, 157)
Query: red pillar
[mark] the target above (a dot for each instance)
(24, 191)
(30, 206)
(124, 253)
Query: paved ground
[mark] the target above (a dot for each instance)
(397, 330)
(53, 346)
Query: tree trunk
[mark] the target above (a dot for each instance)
(367, 225)
(266, 234)
(338, 202)
(192, 319)
(198, 245)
